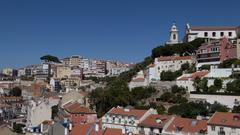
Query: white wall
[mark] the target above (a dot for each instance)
(200, 34)
(228, 130)
(188, 84)
(222, 99)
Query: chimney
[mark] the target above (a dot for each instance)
(41, 128)
(70, 126)
(65, 131)
(96, 127)
(126, 110)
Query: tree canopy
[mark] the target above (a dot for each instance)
(50, 58)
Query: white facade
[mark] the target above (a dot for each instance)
(220, 72)
(127, 123)
(172, 63)
(215, 130)
(215, 32)
(7, 71)
(115, 71)
(153, 75)
(37, 113)
(173, 35)
(227, 100)
(138, 81)
(188, 84)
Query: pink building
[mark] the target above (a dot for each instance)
(78, 114)
(214, 52)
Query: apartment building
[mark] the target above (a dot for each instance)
(224, 123)
(125, 119)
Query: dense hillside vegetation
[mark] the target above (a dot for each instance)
(117, 92)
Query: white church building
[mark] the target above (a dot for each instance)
(214, 32)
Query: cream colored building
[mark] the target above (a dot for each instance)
(63, 72)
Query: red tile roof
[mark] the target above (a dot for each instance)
(225, 119)
(111, 131)
(213, 28)
(77, 108)
(172, 58)
(130, 112)
(155, 120)
(187, 125)
(138, 80)
(194, 75)
(83, 129)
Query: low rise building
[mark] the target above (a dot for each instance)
(138, 81)
(187, 80)
(125, 119)
(224, 123)
(37, 112)
(154, 124)
(213, 52)
(171, 63)
(185, 126)
(214, 32)
(78, 114)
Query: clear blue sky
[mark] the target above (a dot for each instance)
(125, 30)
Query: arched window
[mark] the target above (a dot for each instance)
(174, 36)
(214, 34)
(205, 34)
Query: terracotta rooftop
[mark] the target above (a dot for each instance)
(194, 75)
(186, 125)
(213, 28)
(84, 129)
(155, 120)
(129, 112)
(80, 129)
(225, 119)
(172, 58)
(77, 108)
(138, 79)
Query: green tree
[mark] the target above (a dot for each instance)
(169, 75)
(203, 85)
(217, 107)
(229, 62)
(185, 66)
(50, 58)
(218, 83)
(18, 128)
(178, 90)
(233, 87)
(205, 67)
(236, 109)
(212, 89)
(189, 110)
(16, 91)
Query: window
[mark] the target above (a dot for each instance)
(174, 36)
(221, 129)
(233, 130)
(222, 34)
(213, 128)
(229, 34)
(214, 34)
(205, 34)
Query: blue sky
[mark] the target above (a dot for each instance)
(123, 30)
